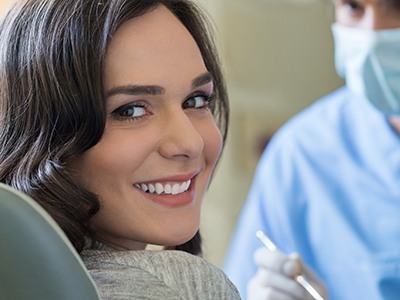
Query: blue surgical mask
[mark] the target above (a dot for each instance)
(369, 61)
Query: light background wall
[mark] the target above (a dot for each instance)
(278, 59)
(4, 4)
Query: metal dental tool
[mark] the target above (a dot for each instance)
(299, 278)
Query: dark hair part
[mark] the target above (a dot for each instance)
(52, 105)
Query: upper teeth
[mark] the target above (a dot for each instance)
(169, 188)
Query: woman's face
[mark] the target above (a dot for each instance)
(160, 145)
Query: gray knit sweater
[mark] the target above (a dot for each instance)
(151, 274)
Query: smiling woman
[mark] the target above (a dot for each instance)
(113, 116)
(159, 132)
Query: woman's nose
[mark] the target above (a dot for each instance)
(180, 138)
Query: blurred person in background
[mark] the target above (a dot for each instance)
(327, 189)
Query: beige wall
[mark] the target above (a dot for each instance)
(278, 59)
(4, 4)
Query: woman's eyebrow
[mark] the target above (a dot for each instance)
(202, 80)
(136, 90)
(155, 89)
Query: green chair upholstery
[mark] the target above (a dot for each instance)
(37, 261)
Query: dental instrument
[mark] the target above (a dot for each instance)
(299, 278)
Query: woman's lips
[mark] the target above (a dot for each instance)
(170, 192)
(158, 188)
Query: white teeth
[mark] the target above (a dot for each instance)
(143, 187)
(169, 188)
(159, 188)
(185, 186)
(175, 189)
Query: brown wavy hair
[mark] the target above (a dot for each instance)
(52, 102)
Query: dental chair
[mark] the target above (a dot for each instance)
(37, 261)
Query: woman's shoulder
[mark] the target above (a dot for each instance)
(153, 274)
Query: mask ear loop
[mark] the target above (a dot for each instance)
(385, 85)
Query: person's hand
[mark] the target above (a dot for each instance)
(274, 279)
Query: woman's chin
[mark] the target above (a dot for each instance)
(178, 239)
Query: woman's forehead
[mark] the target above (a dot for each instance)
(146, 48)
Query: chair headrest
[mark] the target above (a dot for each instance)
(37, 260)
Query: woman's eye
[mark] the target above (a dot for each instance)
(130, 111)
(197, 101)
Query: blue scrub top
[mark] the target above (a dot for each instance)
(328, 187)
